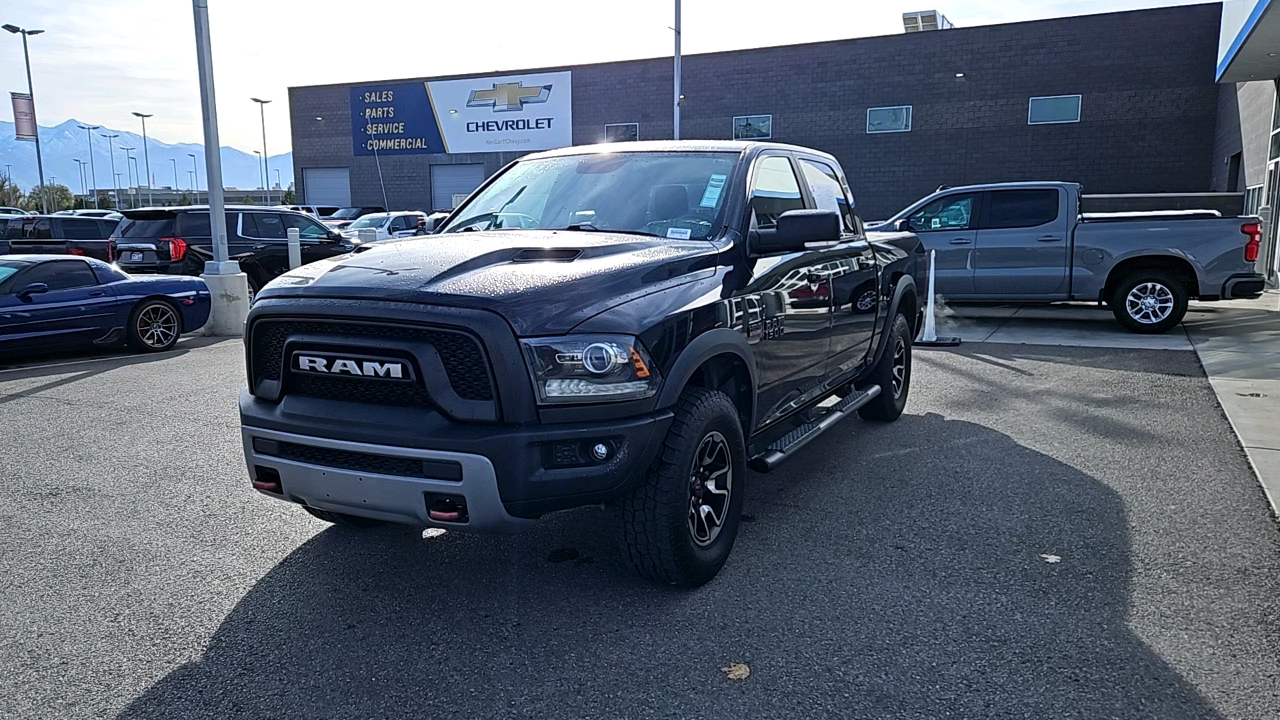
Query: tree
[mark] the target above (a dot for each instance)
(246, 200)
(184, 199)
(10, 193)
(105, 202)
(289, 197)
(59, 197)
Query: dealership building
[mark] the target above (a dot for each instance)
(1125, 102)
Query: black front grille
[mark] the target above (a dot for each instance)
(464, 361)
(361, 462)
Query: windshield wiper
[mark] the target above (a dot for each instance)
(588, 227)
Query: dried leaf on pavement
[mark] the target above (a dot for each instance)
(736, 671)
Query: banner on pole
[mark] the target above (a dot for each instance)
(24, 117)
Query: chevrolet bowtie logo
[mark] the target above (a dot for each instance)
(507, 97)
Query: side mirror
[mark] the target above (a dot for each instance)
(903, 225)
(333, 236)
(32, 289)
(797, 228)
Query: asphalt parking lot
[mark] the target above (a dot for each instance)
(1055, 532)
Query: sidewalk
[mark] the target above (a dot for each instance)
(1239, 346)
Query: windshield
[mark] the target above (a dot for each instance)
(368, 221)
(672, 195)
(8, 268)
(346, 213)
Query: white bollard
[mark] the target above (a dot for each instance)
(295, 248)
(929, 335)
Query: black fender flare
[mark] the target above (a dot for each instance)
(719, 341)
(906, 284)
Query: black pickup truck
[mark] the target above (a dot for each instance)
(633, 324)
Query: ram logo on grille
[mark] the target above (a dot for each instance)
(352, 366)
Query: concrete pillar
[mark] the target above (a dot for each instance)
(230, 304)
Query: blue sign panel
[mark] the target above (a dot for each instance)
(394, 119)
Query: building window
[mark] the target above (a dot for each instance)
(622, 132)
(1054, 109)
(1252, 200)
(752, 127)
(889, 119)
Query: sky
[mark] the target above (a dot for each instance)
(100, 60)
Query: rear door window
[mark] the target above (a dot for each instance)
(41, 229)
(1021, 208)
(263, 226)
(196, 224)
(80, 229)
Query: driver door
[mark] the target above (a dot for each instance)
(949, 226)
(74, 311)
(791, 292)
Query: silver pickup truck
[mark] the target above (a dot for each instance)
(1029, 242)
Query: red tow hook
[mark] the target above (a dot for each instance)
(444, 515)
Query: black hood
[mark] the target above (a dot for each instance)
(541, 281)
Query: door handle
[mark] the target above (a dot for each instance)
(1049, 238)
(96, 293)
(961, 241)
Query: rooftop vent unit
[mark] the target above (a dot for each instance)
(925, 20)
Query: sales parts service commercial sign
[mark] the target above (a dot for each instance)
(514, 113)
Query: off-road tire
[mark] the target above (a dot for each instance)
(351, 521)
(892, 400)
(658, 537)
(1177, 295)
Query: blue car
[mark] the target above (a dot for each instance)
(50, 303)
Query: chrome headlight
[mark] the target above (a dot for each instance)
(590, 368)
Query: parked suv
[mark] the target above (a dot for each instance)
(57, 235)
(632, 324)
(177, 241)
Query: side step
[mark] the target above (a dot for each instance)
(787, 445)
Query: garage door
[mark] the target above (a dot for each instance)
(327, 186)
(450, 180)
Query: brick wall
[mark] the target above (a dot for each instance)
(1149, 107)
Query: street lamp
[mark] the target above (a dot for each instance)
(266, 164)
(44, 191)
(175, 173)
(111, 150)
(261, 182)
(84, 192)
(137, 196)
(146, 154)
(128, 174)
(195, 177)
(93, 171)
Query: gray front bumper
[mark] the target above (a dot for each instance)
(385, 497)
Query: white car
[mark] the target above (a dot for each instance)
(315, 211)
(386, 225)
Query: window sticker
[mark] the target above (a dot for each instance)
(711, 195)
(679, 233)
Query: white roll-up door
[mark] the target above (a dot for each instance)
(448, 181)
(327, 186)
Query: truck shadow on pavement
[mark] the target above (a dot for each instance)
(978, 579)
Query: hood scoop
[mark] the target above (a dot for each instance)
(529, 255)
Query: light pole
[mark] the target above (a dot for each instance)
(137, 196)
(84, 191)
(262, 183)
(93, 171)
(128, 163)
(111, 150)
(228, 285)
(175, 174)
(191, 178)
(44, 190)
(53, 181)
(278, 185)
(195, 177)
(675, 118)
(146, 154)
(266, 164)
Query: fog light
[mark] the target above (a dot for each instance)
(600, 452)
